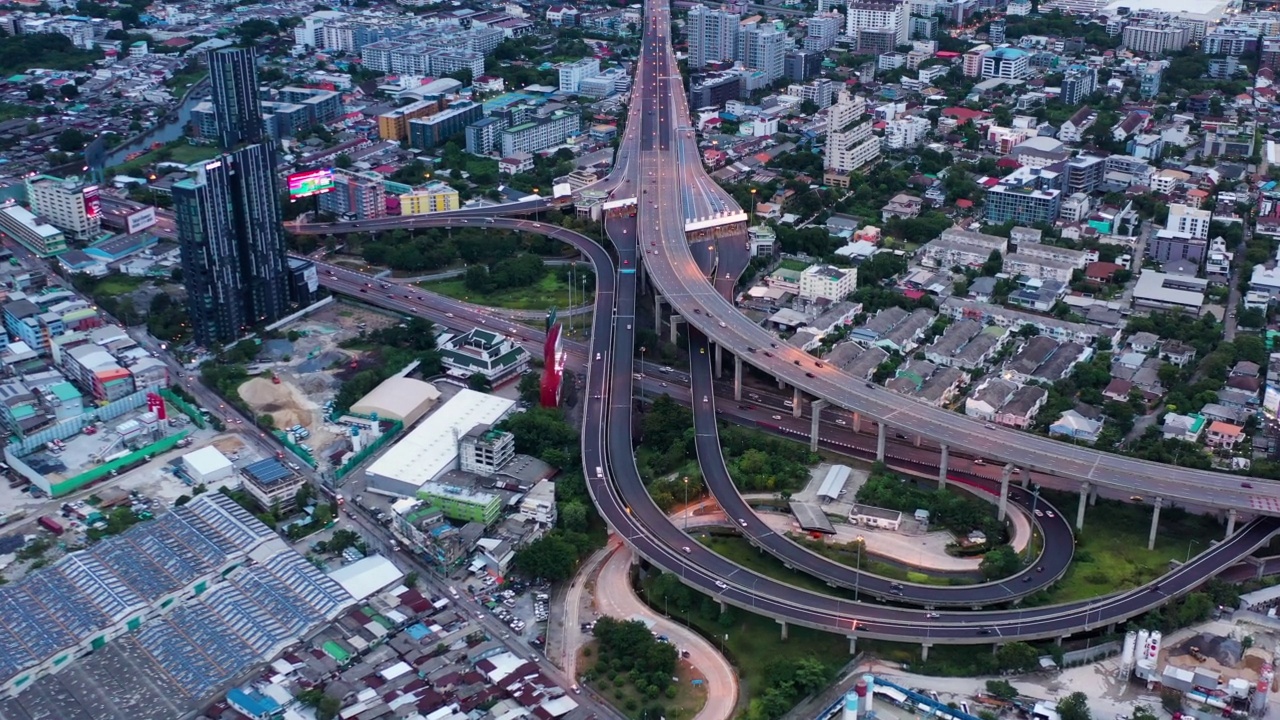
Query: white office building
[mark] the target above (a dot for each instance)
(827, 282)
(69, 205)
(763, 47)
(572, 74)
(906, 132)
(1187, 221)
(821, 31)
(879, 14)
(850, 143)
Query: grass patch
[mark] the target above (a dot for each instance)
(179, 151)
(754, 644)
(796, 265)
(1111, 551)
(846, 554)
(11, 111)
(740, 551)
(116, 284)
(548, 292)
(191, 75)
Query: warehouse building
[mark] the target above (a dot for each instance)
(431, 449)
(207, 466)
(398, 398)
(170, 610)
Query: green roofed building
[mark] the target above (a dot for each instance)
(462, 504)
(495, 356)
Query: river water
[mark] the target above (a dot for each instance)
(166, 132)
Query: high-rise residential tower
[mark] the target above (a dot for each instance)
(233, 78)
(230, 230)
(713, 36)
(232, 242)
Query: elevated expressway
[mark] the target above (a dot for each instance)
(675, 274)
(622, 498)
(652, 136)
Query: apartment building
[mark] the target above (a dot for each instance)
(1027, 195)
(850, 142)
(355, 195)
(68, 204)
(961, 247)
(540, 133)
(827, 282)
(878, 14)
(437, 198)
(1156, 38)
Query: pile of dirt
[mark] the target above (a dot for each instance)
(282, 402)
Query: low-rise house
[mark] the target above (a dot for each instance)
(1177, 353)
(1224, 435)
(905, 336)
(1021, 408)
(1215, 411)
(987, 399)
(1072, 424)
(942, 387)
(1183, 427)
(1144, 342)
(902, 206)
(878, 326)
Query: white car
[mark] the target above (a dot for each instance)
(597, 356)
(720, 584)
(841, 421)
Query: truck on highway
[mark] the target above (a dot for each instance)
(48, 523)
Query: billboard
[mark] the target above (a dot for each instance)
(553, 357)
(140, 220)
(311, 182)
(92, 202)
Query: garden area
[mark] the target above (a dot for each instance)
(636, 670)
(519, 283)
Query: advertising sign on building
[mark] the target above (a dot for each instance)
(92, 203)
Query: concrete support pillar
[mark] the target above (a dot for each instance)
(815, 409)
(857, 422)
(924, 652)
(1155, 523)
(853, 645)
(675, 328)
(783, 623)
(737, 378)
(1093, 496)
(724, 608)
(657, 315)
(719, 360)
(880, 442)
(796, 397)
(917, 440)
(1231, 522)
(1084, 497)
(782, 385)
(942, 467)
(1026, 478)
(1058, 641)
(1004, 491)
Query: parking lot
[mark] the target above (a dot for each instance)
(523, 609)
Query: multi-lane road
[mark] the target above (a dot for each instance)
(648, 168)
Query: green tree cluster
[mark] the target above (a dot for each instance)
(949, 510)
(520, 271)
(395, 347)
(627, 646)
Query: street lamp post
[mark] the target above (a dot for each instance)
(1189, 544)
(642, 373)
(857, 578)
(686, 503)
(751, 219)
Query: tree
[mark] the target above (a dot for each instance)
(1142, 712)
(1017, 657)
(1171, 700)
(35, 93)
(994, 264)
(70, 140)
(550, 557)
(1074, 707)
(1002, 689)
(479, 383)
(530, 387)
(1000, 562)
(573, 516)
(411, 580)
(343, 161)
(69, 91)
